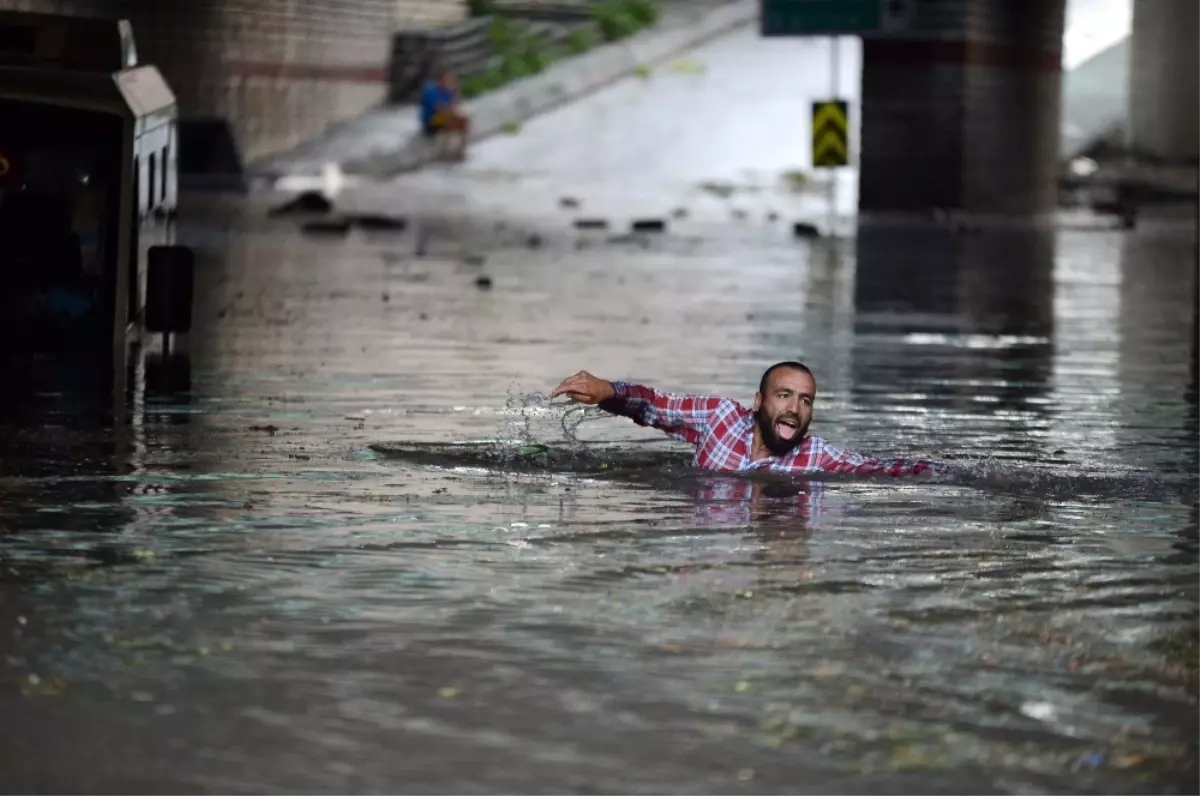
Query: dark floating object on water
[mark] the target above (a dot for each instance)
(306, 202)
(772, 216)
(569, 202)
(591, 223)
(804, 230)
(597, 460)
(330, 226)
(679, 212)
(648, 225)
(378, 222)
(1059, 453)
(534, 241)
(483, 282)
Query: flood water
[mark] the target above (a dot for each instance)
(315, 561)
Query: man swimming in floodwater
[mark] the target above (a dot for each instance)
(728, 436)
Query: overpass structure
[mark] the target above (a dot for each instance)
(961, 100)
(279, 72)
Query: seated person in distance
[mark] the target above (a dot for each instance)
(441, 114)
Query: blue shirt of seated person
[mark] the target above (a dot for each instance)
(435, 97)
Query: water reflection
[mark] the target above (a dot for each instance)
(70, 474)
(784, 503)
(957, 324)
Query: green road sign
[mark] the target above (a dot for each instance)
(834, 17)
(830, 137)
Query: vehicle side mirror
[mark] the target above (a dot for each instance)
(169, 287)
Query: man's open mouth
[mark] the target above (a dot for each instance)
(787, 427)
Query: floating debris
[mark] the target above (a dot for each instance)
(380, 222)
(803, 229)
(332, 226)
(35, 686)
(795, 180)
(688, 66)
(648, 225)
(306, 202)
(721, 189)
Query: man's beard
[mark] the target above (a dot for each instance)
(776, 444)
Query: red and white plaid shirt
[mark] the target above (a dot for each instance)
(723, 432)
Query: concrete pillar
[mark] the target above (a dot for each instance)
(1164, 80)
(961, 110)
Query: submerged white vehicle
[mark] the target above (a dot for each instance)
(88, 196)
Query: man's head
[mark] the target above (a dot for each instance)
(447, 79)
(783, 405)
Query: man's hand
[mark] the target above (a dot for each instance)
(585, 388)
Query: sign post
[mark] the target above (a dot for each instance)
(830, 133)
(834, 18)
(830, 144)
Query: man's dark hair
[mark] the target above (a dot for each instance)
(800, 366)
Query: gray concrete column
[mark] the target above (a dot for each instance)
(1164, 79)
(961, 111)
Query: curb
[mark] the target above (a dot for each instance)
(401, 148)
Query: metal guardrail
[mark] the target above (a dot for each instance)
(465, 47)
(417, 55)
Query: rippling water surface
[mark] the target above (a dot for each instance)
(319, 561)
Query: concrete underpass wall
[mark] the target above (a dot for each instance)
(1164, 85)
(962, 110)
(280, 71)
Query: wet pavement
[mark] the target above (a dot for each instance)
(319, 560)
(697, 133)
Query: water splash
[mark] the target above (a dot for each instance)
(531, 415)
(576, 415)
(520, 409)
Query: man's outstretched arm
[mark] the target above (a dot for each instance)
(682, 416)
(837, 460)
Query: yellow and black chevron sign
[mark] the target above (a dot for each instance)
(830, 142)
